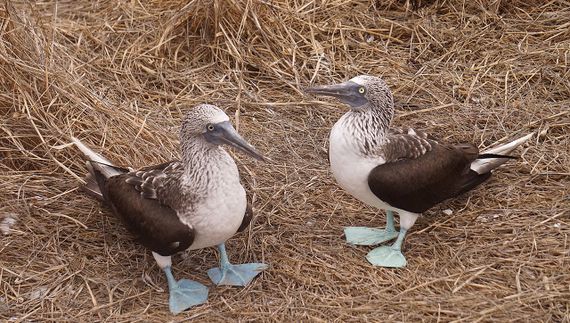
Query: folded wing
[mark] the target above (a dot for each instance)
(419, 172)
(139, 199)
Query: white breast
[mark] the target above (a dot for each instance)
(350, 168)
(218, 216)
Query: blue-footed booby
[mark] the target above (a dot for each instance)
(399, 170)
(193, 203)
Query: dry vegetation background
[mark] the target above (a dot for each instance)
(119, 75)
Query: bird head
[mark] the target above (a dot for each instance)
(209, 123)
(360, 93)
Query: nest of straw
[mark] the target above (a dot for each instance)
(119, 75)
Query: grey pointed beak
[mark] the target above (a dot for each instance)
(225, 133)
(346, 92)
(335, 90)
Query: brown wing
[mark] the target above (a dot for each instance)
(402, 143)
(417, 184)
(150, 180)
(410, 131)
(247, 217)
(133, 198)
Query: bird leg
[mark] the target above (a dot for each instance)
(391, 256)
(364, 236)
(233, 275)
(184, 293)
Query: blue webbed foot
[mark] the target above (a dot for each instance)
(364, 236)
(389, 256)
(184, 293)
(234, 275)
(386, 256)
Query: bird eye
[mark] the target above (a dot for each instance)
(361, 90)
(210, 127)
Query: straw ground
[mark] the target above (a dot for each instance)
(119, 75)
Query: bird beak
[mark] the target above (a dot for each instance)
(224, 133)
(346, 92)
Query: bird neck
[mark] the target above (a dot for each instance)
(368, 126)
(207, 166)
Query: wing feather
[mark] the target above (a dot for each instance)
(419, 173)
(143, 203)
(402, 143)
(247, 217)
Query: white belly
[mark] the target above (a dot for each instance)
(351, 169)
(219, 217)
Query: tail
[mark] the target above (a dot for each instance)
(90, 154)
(495, 157)
(100, 168)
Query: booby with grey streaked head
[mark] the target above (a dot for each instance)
(193, 203)
(399, 170)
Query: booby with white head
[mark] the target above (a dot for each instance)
(400, 170)
(192, 203)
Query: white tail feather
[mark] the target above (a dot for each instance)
(97, 161)
(90, 154)
(486, 165)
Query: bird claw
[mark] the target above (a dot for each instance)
(386, 256)
(185, 294)
(364, 236)
(235, 275)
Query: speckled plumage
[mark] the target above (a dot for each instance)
(363, 147)
(369, 125)
(396, 169)
(193, 203)
(202, 192)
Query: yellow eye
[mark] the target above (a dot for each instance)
(210, 127)
(361, 90)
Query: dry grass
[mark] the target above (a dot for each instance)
(119, 74)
